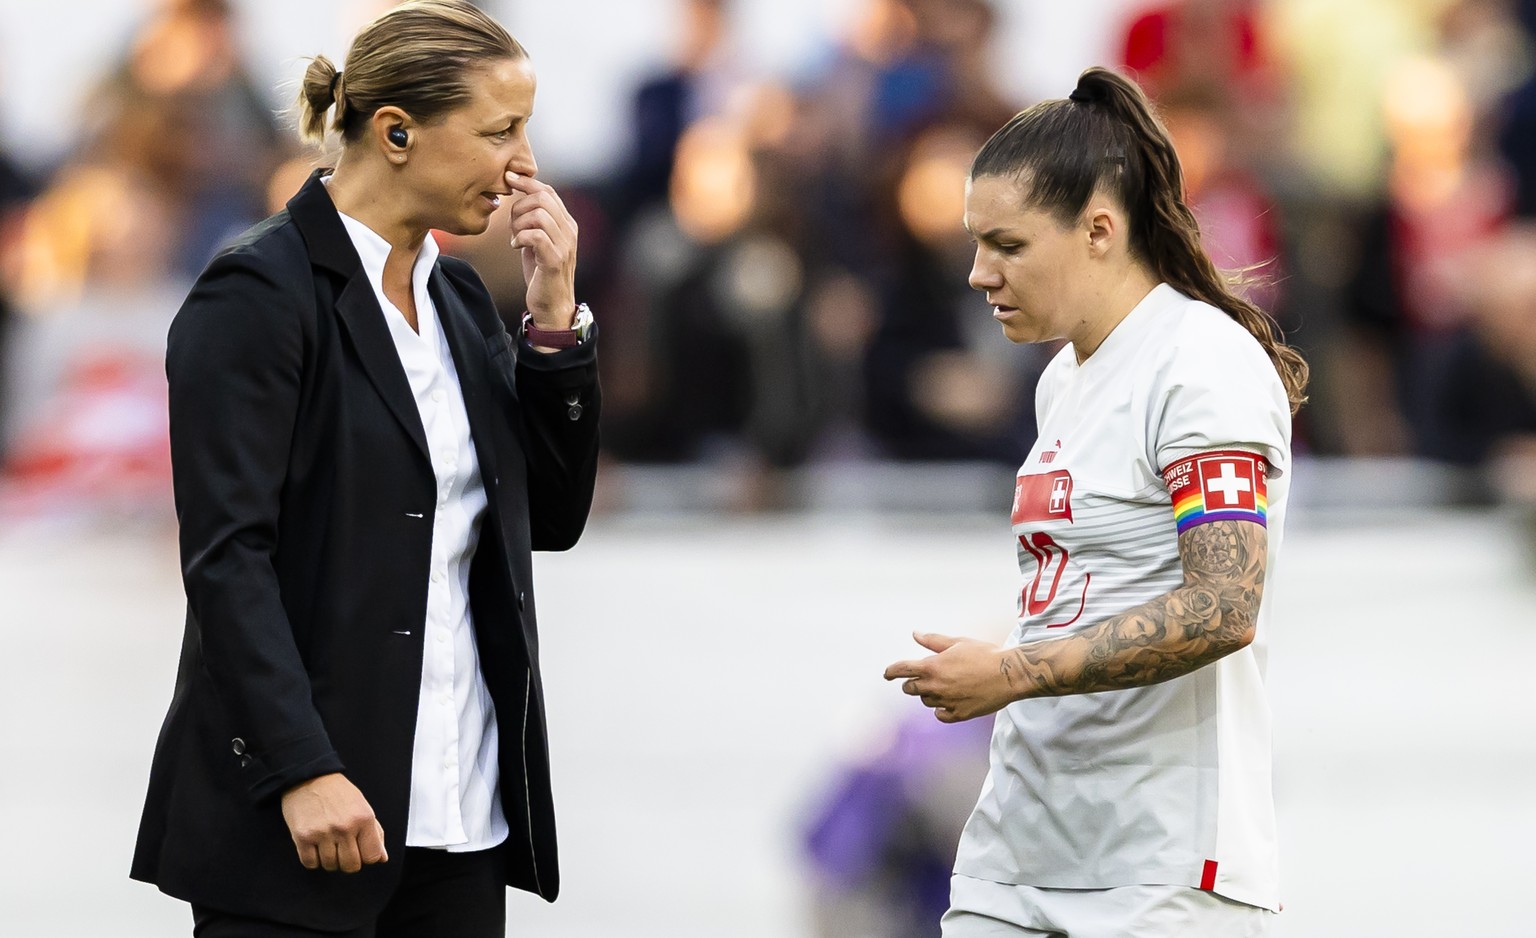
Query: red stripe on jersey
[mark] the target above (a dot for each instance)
(1208, 876)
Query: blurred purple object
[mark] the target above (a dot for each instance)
(853, 833)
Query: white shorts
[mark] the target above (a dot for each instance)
(979, 908)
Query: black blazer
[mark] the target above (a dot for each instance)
(305, 496)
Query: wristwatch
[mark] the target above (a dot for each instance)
(560, 338)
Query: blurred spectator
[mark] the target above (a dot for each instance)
(178, 131)
(1486, 413)
(653, 223)
(1484, 43)
(1517, 138)
(1212, 47)
(898, 110)
(941, 383)
(1335, 60)
(15, 191)
(1213, 56)
(698, 84)
(905, 66)
(723, 278)
(93, 225)
(958, 35)
(1239, 220)
(199, 128)
(1408, 301)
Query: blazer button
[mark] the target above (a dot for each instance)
(237, 745)
(574, 402)
(245, 762)
(520, 597)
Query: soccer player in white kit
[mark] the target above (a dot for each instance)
(1129, 787)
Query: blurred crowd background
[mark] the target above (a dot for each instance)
(776, 258)
(776, 254)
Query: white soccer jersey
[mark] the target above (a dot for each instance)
(1167, 784)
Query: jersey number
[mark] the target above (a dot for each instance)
(1050, 563)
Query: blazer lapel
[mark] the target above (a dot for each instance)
(472, 362)
(330, 247)
(359, 310)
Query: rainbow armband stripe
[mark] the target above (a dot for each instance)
(1224, 485)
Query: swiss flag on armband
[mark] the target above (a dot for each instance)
(1226, 485)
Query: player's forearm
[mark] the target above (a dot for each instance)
(1207, 618)
(1166, 638)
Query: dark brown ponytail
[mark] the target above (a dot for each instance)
(1105, 135)
(320, 90)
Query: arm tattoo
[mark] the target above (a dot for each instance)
(1210, 616)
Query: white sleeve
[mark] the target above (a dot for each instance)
(1220, 391)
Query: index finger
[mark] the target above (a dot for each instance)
(905, 669)
(526, 184)
(370, 844)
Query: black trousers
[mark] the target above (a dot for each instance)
(441, 895)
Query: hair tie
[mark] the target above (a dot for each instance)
(1079, 96)
(335, 80)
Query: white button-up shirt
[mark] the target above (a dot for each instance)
(455, 801)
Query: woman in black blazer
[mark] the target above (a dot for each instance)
(363, 460)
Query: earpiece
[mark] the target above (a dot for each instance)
(398, 137)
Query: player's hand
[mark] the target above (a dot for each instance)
(963, 681)
(545, 234)
(332, 824)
